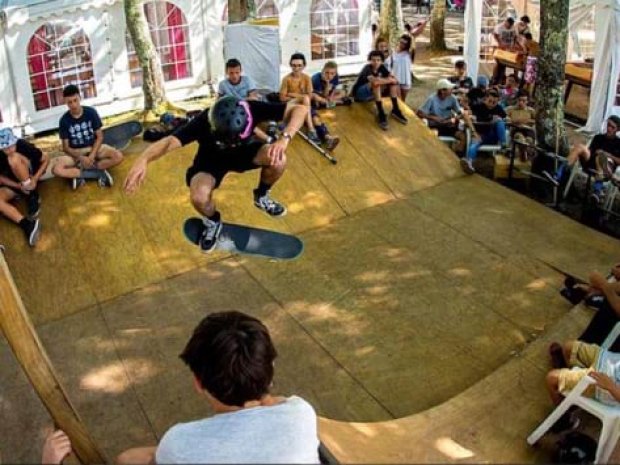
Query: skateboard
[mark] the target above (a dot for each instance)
(120, 136)
(246, 240)
(318, 148)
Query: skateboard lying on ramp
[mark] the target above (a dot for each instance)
(246, 240)
(120, 135)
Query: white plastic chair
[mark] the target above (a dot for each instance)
(609, 415)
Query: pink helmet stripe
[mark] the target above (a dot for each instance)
(248, 129)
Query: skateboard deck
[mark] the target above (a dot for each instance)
(237, 238)
(318, 148)
(120, 136)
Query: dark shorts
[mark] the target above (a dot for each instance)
(444, 129)
(238, 159)
(590, 163)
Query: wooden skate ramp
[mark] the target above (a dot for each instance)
(419, 291)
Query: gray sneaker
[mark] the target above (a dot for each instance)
(268, 205)
(31, 230)
(212, 230)
(76, 183)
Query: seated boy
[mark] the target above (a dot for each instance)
(490, 128)
(325, 92)
(521, 118)
(587, 359)
(236, 84)
(369, 83)
(231, 357)
(510, 91)
(21, 167)
(296, 87)
(463, 83)
(602, 145)
(82, 141)
(440, 109)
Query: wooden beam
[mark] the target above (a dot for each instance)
(30, 353)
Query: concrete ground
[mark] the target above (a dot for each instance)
(417, 287)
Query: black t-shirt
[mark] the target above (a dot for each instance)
(199, 130)
(462, 83)
(602, 142)
(33, 154)
(485, 114)
(367, 71)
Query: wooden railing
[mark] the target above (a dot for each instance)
(30, 353)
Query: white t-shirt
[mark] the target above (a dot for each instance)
(282, 433)
(608, 363)
(507, 36)
(399, 64)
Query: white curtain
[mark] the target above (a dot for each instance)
(473, 26)
(606, 64)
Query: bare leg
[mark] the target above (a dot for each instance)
(108, 157)
(137, 456)
(403, 93)
(20, 166)
(567, 350)
(201, 189)
(7, 208)
(394, 90)
(66, 167)
(269, 173)
(553, 382)
(579, 151)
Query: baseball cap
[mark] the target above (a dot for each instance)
(444, 84)
(7, 138)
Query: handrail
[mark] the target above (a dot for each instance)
(30, 353)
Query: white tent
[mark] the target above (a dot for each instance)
(607, 53)
(47, 44)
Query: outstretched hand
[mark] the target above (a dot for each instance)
(56, 447)
(136, 176)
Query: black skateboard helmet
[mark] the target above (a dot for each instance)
(230, 118)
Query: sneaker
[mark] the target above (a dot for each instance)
(314, 138)
(383, 124)
(347, 101)
(467, 166)
(32, 229)
(331, 142)
(398, 116)
(209, 235)
(76, 183)
(34, 204)
(268, 205)
(105, 179)
(551, 178)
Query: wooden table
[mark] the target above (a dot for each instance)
(577, 73)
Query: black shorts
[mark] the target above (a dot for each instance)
(238, 159)
(589, 164)
(444, 129)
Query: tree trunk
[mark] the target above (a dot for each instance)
(438, 18)
(238, 11)
(391, 21)
(152, 76)
(550, 129)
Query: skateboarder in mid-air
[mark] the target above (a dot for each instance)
(224, 144)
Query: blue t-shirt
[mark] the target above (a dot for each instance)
(317, 83)
(240, 90)
(442, 108)
(80, 131)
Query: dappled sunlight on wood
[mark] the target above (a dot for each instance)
(98, 221)
(112, 378)
(453, 450)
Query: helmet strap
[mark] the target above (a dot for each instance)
(248, 129)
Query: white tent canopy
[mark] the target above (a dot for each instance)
(607, 52)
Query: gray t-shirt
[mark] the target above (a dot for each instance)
(282, 433)
(442, 108)
(240, 90)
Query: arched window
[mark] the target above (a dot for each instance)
(170, 35)
(264, 9)
(59, 54)
(334, 28)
